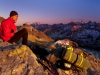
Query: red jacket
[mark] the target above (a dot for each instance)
(7, 29)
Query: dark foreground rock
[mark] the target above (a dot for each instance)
(19, 60)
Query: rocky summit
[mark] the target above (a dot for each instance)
(18, 59)
(35, 34)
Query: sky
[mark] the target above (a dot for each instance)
(51, 11)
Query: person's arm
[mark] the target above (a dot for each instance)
(13, 28)
(7, 31)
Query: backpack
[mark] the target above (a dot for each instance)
(75, 59)
(68, 57)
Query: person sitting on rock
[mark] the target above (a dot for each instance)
(8, 30)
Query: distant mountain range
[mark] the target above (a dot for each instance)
(87, 36)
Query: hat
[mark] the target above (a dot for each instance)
(12, 13)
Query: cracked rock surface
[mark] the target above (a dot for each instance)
(18, 60)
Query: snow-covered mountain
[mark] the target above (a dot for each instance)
(85, 35)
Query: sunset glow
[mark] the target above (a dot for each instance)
(52, 11)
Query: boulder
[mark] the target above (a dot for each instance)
(66, 42)
(19, 60)
(36, 35)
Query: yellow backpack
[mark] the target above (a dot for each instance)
(77, 59)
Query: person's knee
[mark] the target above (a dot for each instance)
(25, 31)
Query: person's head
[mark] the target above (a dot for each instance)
(14, 15)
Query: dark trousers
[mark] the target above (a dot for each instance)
(20, 34)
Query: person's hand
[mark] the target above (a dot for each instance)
(12, 31)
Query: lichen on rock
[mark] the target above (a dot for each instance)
(18, 60)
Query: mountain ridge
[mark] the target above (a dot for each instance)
(90, 37)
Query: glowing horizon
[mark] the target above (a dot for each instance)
(56, 22)
(52, 11)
